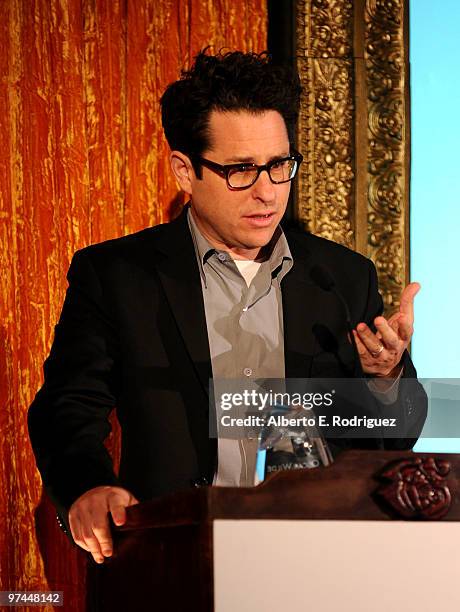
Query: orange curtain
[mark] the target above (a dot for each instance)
(82, 159)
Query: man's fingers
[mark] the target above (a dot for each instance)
(117, 507)
(370, 341)
(406, 305)
(118, 512)
(89, 521)
(387, 334)
(92, 535)
(362, 350)
(405, 329)
(393, 321)
(400, 324)
(93, 546)
(101, 531)
(75, 529)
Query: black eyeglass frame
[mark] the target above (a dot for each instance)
(224, 170)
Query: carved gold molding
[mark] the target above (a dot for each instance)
(388, 170)
(325, 129)
(354, 185)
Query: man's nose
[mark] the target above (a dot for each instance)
(263, 188)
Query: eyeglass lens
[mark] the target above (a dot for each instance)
(280, 172)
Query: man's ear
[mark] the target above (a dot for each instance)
(183, 170)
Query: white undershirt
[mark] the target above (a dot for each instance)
(248, 268)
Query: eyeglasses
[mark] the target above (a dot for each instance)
(243, 175)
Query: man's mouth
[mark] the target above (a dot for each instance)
(262, 216)
(260, 220)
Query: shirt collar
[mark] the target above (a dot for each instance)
(278, 250)
(203, 248)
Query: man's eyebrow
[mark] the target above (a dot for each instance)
(250, 160)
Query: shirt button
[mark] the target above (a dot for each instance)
(245, 309)
(222, 257)
(247, 371)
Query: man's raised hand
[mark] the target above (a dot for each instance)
(380, 353)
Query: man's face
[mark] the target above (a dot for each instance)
(237, 221)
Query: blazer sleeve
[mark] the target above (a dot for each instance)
(68, 419)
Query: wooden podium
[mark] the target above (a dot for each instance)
(376, 530)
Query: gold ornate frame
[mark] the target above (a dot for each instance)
(354, 131)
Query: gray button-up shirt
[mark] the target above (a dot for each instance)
(245, 330)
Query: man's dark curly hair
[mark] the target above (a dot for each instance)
(229, 81)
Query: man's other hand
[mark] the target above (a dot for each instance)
(89, 521)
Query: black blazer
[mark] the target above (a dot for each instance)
(132, 335)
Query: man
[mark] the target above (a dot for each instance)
(220, 292)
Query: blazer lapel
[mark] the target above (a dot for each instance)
(313, 322)
(299, 342)
(180, 278)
